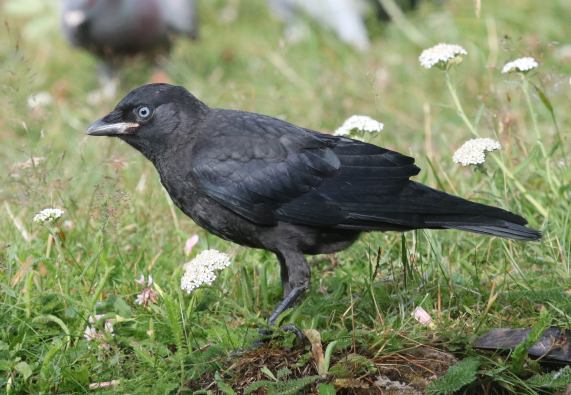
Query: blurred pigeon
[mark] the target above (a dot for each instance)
(114, 29)
(346, 18)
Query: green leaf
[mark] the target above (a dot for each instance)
(24, 369)
(256, 385)
(546, 102)
(552, 380)
(519, 355)
(222, 386)
(282, 373)
(174, 320)
(291, 387)
(327, 358)
(268, 373)
(47, 364)
(457, 376)
(353, 365)
(5, 365)
(121, 307)
(326, 389)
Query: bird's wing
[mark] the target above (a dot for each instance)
(268, 170)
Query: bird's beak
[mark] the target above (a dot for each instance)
(102, 128)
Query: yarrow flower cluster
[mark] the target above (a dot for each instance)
(441, 55)
(473, 151)
(521, 65)
(148, 295)
(48, 215)
(202, 269)
(359, 123)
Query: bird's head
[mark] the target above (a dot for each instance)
(151, 117)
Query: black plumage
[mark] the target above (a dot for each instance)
(266, 183)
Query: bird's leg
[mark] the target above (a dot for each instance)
(295, 276)
(295, 272)
(288, 301)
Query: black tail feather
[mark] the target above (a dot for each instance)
(421, 207)
(508, 231)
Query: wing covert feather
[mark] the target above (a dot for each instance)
(268, 170)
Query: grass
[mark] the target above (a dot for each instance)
(121, 223)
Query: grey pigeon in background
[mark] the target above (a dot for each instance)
(346, 18)
(343, 17)
(115, 29)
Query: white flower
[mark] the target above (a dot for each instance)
(473, 151)
(146, 297)
(142, 281)
(521, 65)
(201, 270)
(48, 215)
(359, 123)
(94, 318)
(39, 100)
(90, 334)
(109, 327)
(148, 294)
(441, 54)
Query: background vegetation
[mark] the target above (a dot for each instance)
(121, 223)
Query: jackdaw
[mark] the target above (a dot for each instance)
(265, 183)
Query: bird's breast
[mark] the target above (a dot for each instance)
(209, 214)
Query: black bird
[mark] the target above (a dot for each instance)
(266, 183)
(115, 29)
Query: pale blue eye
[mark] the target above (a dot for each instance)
(144, 112)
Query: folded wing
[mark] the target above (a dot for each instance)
(267, 170)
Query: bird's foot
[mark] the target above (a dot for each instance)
(289, 300)
(267, 334)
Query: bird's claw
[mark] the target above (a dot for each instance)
(266, 334)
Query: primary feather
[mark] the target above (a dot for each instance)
(270, 171)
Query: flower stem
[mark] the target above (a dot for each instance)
(521, 188)
(505, 170)
(459, 108)
(525, 88)
(49, 245)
